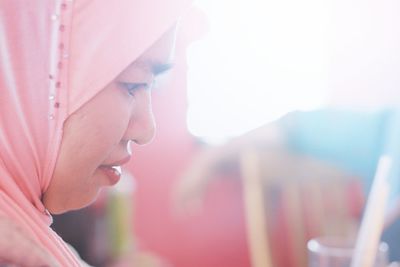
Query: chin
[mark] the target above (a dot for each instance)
(83, 192)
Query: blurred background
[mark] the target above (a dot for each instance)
(270, 127)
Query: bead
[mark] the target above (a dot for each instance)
(51, 97)
(51, 117)
(57, 105)
(54, 17)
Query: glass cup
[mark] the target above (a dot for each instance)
(333, 251)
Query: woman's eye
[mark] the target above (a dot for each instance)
(133, 87)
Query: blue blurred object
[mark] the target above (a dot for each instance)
(392, 149)
(353, 141)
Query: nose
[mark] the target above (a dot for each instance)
(141, 128)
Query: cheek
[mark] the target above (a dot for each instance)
(111, 127)
(108, 120)
(90, 136)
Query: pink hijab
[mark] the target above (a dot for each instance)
(54, 57)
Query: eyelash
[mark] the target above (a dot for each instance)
(131, 88)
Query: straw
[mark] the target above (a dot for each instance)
(256, 222)
(372, 224)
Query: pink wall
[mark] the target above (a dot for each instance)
(216, 236)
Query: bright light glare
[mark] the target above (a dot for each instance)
(260, 60)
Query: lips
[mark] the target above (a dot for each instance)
(113, 171)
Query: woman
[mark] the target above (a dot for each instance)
(74, 92)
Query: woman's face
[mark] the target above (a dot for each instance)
(97, 137)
